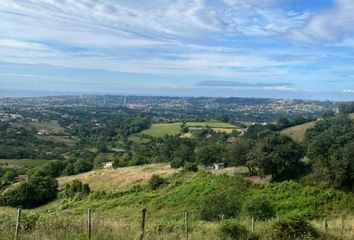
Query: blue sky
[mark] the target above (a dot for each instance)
(247, 48)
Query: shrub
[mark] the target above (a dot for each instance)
(10, 175)
(177, 163)
(230, 229)
(219, 204)
(155, 182)
(35, 191)
(294, 228)
(259, 207)
(190, 167)
(76, 188)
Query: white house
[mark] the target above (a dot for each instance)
(107, 165)
(218, 166)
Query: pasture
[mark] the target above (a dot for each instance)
(297, 133)
(162, 129)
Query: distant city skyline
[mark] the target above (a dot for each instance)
(250, 48)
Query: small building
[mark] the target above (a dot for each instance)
(107, 165)
(218, 166)
(42, 132)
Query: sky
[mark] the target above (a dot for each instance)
(242, 48)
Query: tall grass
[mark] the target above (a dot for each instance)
(65, 226)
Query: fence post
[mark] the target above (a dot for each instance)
(253, 225)
(186, 224)
(143, 211)
(326, 224)
(89, 224)
(18, 220)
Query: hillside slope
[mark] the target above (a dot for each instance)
(108, 179)
(298, 132)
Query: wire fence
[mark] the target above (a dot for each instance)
(91, 225)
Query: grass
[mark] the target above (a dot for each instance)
(51, 126)
(24, 162)
(162, 129)
(117, 178)
(298, 132)
(117, 214)
(210, 124)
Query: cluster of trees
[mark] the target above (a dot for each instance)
(83, 162)
(264, 152)
(21, 142)
(36, 190)
(76, 189)
(283, 123)
(346, 108)
(330, 147)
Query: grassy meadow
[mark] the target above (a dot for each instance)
(163, 129)
(119, 195)
(298, 132)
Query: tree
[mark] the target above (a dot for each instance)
(10, 175)
(76, 188)
(82, 165)
(35, 191)
(345, 108)
(209, 154)
(329, 146)
(343, 166)
(236, 152)
(190, 167)
(276, 155)
(155, 182)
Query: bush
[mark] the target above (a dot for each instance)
(76, 188)
(35, 191)
(10, 175)
(294, 228)
(177, 163)
(155, 182)
(219, 204)
(230, 229)
(259, 207)
(190, 167)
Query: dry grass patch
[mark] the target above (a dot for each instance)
(121, 177)
(298, 132)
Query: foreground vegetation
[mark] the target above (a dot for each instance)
(289, 187)
(207, 197)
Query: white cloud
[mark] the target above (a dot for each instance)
(348, 91)
(178, 37)
(329, 26)
(23, 45)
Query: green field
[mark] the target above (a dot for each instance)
(162, 129)
(210, 124)
(298, 132)
(52, 126)
(23, 162)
